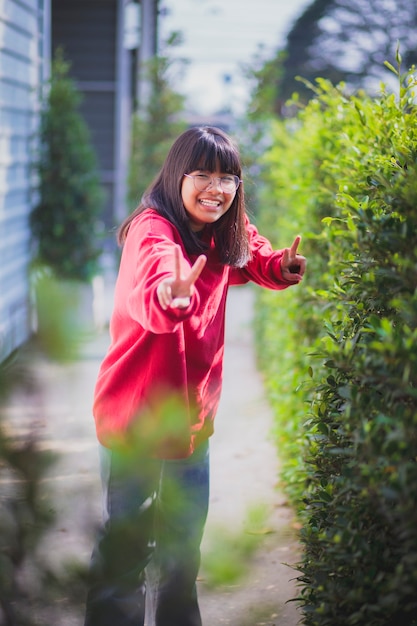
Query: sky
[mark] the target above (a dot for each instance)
(219, 37)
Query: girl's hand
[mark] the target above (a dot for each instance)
(176, 292)
(293, 265)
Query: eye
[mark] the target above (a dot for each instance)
(203, 177)
(228, 179)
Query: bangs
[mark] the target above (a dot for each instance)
(213, 152)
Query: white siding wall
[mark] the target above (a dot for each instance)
(22, 48)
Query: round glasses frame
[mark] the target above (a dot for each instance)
(228, 184)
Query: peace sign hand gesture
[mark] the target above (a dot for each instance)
(293, 265)
(176, 292)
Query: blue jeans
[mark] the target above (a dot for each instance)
(154, 517)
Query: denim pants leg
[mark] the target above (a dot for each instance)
(151, 508)
(182, 508)
(125, 543)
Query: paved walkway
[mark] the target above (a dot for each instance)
(244, 475)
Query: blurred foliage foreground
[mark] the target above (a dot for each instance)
(32, 590)
(340, 351)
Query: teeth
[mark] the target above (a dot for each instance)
(210, 202)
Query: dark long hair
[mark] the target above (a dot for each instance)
(202, 148)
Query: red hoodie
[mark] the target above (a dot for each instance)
(159, 384)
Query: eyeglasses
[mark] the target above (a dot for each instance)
(202, 182)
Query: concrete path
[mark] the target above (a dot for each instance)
(244, 476)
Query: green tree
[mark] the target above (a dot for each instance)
(66, 221)
(341, 40)
(155, 126)
(297, 57)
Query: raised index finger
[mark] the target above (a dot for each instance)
(293, 249)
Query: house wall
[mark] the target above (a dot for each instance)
(22, 46)
(104, 65)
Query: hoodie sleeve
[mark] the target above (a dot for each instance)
(264, 268)
(147, 259)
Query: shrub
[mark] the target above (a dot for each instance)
(66, 222)
(344, 173)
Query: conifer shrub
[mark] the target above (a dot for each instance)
(344, 173)
(66, 222)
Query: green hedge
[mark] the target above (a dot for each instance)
(340, 352)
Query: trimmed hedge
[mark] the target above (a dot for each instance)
(344, 174)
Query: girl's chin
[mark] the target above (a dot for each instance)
(197, 223)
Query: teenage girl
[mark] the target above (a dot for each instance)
(159, 384)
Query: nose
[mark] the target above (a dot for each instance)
(215, 183)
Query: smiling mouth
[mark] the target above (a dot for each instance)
(210, 203)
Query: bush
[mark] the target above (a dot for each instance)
(66, 221)
(344, 174)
